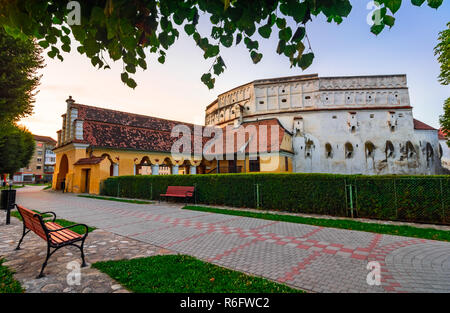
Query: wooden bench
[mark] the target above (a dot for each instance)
(179, 192)
(54, 234)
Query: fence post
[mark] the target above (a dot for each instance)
(442, 200)
(351, 199)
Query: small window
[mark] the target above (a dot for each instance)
(286, 164)
(307, 97)
(348, 150)
(328, 151)
(283, 100)
(334, 117)
(254, 165)
(372, 115)
(282, 90)
(261, 102)
(38, 167)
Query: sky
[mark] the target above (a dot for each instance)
(173, 90)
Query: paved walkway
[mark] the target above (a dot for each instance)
(308, 257)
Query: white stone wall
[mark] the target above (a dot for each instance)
(445, 158)
(340, 124)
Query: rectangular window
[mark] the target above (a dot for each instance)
(254, 165)
(286, 164)
(39, 160)
(39, 152)
(38, 167)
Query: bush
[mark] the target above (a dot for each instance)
(407, 198)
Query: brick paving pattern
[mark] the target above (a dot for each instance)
(312, 258)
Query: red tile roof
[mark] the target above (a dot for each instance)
(88, 161)
(45, 139)
(422, 126)
(442, 135)
(121, 130)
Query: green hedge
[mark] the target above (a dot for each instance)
(407, 198)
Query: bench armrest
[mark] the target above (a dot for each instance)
(49, 212)
(67, 227)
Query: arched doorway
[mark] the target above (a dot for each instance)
(62, 172)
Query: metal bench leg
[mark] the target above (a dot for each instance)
(83, 264)
(41, 274)
(21, 239)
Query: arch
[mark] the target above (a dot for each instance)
(348, 150)
(328, 151)
(111, 163)
(441, 152)
(369, 147)
(62, 171)
(429, 153)
(410, 150)
(389, 149)
(309, 144)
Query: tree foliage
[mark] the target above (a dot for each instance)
(442, 51)
(126, 30)
(445, 120)
(16, 148)
(19, 62)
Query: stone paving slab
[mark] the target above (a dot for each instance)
(313, 258)
(100, 246)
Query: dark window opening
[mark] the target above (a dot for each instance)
(348, 150)
(254, 165)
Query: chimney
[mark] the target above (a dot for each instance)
(70, 101)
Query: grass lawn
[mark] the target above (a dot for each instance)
(116, 199)
(13, 187)
(182, 273)
(48, 187)
(64, 223)
(404, 230)
(7, 282)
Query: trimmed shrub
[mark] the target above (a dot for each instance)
(406, 198)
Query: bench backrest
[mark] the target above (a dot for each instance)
(181, 190)
(33, 221)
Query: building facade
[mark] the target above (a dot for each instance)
(345, 125)
(41, 166)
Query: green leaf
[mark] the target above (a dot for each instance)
(256, 57)
(281, 23)
(238, 38)
(299, 34)
(142, 64)
(376, 29)
(393, 5)
(131, 83)
(281, 46)
(285, 34)
(44, 44)
(389, 20)
(124, 77)
(417, 2)
(162, 59)
(306, 60)
(434, 3)
(227, 40)
(189, 29)
(265, 31)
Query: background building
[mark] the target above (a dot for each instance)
(445, 150)
(347, 125)
(42, 163)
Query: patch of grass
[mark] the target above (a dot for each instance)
(182, 273)
(48, 187)
(13, 187)
(7, 282)
(64, 223)
(116, 199)
(398, 230)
